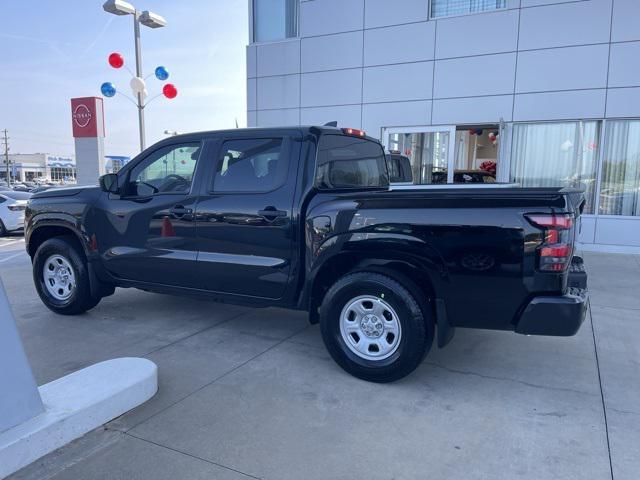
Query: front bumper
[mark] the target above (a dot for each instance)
(558, 315)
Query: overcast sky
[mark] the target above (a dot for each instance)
(55, 50)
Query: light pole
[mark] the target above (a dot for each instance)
(148, 19)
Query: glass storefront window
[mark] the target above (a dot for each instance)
(428, 154)
(620, 177)
(476, 156)
(556, 154)
(442, 8)
(59, 174)
(274, 20)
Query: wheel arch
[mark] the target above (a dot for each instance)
(44, 229)
(410, 272)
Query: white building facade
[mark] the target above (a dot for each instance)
(32, 166)
(24, 167)
(537, 92)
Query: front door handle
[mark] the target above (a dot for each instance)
(180, 211)
(271, 213)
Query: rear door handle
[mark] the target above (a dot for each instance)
(271, 213)
(180, 211)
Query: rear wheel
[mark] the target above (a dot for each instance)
(61, 277)
(374, 328)
(3, 230)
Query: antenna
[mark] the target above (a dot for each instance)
(331, 124)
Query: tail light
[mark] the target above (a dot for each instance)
(353, 131)
(554, 255)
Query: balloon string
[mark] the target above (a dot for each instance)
(129, 70)
(128, 98)
(152, 99)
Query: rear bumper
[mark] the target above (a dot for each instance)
(558, 315)
(14, 222)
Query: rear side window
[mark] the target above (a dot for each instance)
(350, 162)
(250, 165)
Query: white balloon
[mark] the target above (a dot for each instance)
(138, 85)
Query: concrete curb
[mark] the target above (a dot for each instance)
(76, 404)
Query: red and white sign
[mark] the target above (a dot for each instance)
(87, 117)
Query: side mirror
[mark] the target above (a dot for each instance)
(109, 183)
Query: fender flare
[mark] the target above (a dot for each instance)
(70, 223)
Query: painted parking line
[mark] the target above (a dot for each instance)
(11, 257)
(14, 242)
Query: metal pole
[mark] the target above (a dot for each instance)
(6, 157)
(136, 33)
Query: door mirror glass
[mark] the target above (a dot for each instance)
(109, 183)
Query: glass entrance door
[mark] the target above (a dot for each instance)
(420, 155)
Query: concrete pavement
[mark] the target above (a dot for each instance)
(250, 393)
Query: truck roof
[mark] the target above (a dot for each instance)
(303, 129)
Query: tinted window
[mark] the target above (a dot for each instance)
(250, 165)
(441, 8)
(274, 20)
(168, 170)
(350, 162)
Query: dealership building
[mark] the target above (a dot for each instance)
(537, 92)
(25, 167)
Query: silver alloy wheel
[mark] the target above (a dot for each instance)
(370, 327)
(59, 277)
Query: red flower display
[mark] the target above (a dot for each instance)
(489, 166)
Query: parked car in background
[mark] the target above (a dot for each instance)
(20, 187)
(12, 208)
(465, 176)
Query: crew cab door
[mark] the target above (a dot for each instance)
(244, 221)
(148, 230)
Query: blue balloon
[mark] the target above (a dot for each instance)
(161, 73)
(107, 89)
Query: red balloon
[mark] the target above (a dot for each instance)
(116, 60)
(170, 90)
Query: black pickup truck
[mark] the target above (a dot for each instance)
(304, 218)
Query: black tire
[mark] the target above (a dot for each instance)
(80, 300)
(417, 327)
(3, 230)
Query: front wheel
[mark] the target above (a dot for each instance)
(374, 328)
(61, 277)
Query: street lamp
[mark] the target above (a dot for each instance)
(148, 19)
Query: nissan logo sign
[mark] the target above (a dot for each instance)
(82, 115)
